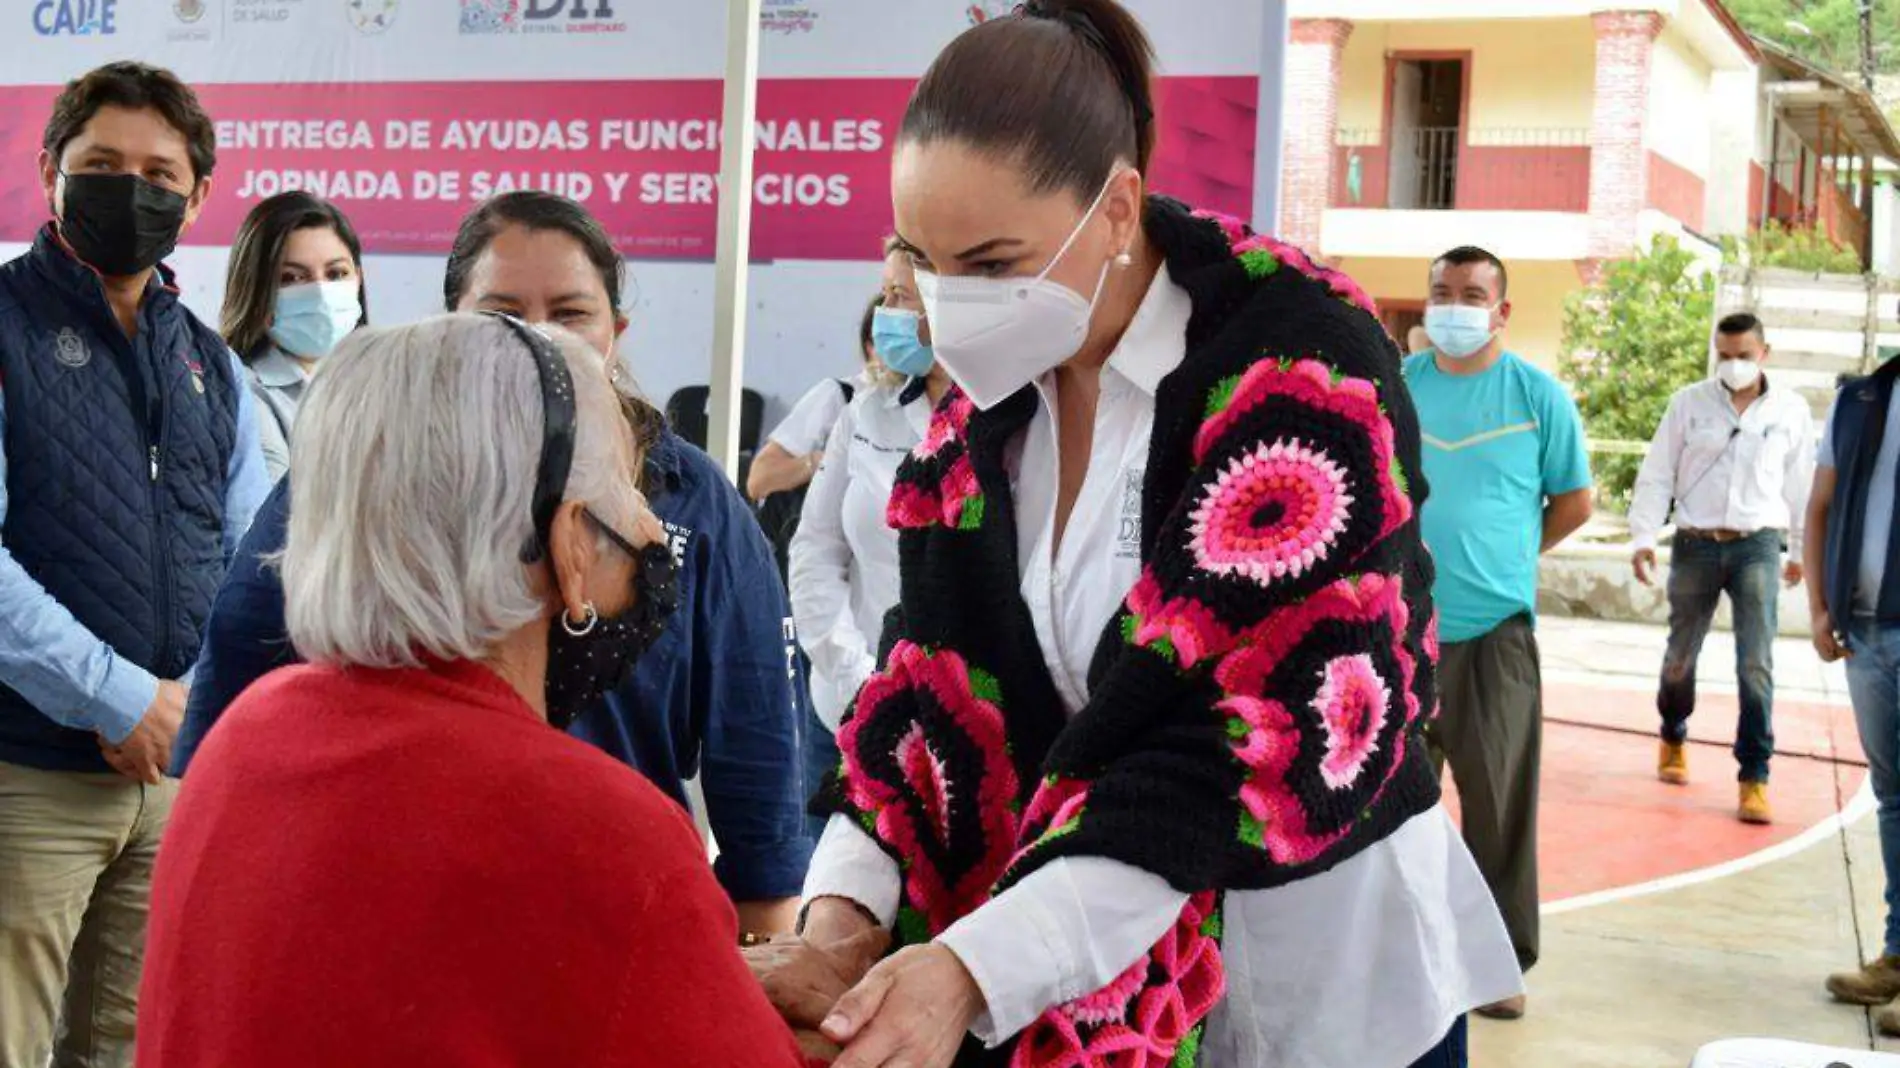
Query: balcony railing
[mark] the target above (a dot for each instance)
(1455, 168)
(1823, 198)
(1424, 169)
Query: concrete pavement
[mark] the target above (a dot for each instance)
(1669, 925)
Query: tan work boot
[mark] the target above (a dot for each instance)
(1876, 983)
(1673, 766)
(1508, 1009)
(1754, 806)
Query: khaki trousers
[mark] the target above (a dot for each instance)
(1490, 730)
(76, 856)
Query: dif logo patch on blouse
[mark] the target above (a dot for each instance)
(1128, 533)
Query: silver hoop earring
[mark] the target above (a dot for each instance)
(586, 626)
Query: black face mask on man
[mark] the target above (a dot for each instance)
(120, 224)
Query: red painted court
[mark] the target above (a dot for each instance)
(1606, 822)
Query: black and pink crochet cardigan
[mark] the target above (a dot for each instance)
(1256, 705)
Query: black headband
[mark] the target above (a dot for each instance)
(557, 435)
(1081, 23)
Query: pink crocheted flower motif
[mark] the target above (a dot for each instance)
(1274, 514)
(1149, 1015)
(1352, 705)
(1057, 802)
(1109, 1004)
(926, 754)
(1313, 384)
(938, 484)
(1053, 813)
(929, 784)
(1234, 229)
(1356, 719)
(948, 423)
(1262, 256)
(954, 501)
(1180, 628)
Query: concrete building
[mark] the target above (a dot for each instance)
(1559, 134)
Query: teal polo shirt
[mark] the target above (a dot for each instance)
(1498, 446)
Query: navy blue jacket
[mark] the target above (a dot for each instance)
(128, 471)
(1859, 426)
(713, 697)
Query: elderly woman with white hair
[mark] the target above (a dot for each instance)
(388, 856)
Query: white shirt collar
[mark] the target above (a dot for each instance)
(1156, 340)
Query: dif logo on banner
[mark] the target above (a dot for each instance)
(76, 18)
(540, 16)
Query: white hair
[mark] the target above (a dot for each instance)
(412, 476)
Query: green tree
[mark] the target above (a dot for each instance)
(1630, 342)
(1826, 32)
(1797, 248)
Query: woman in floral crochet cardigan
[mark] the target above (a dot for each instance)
(1140, 779)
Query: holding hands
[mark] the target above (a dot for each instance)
(911, 1011)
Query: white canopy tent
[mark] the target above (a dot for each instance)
(736, 189)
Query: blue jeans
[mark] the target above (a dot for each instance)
(1873, 680)
(1700, 572)
(1453, 1052)
(819, 752)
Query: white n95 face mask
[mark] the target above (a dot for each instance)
(1738, 375)
(996, 335)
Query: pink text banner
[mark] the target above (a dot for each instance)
(406, 161)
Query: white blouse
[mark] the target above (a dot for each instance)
(1368, 965)
(804, 431)
(844, 556)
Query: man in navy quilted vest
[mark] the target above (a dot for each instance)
(129, 470)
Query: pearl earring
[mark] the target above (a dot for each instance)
(1125, 260)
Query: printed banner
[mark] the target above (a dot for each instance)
(406, 161)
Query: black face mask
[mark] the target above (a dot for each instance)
(120, 224)
(588, 661)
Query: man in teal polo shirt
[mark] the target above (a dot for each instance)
(1505, 458)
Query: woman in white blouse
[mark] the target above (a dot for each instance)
(844, 556)
(794, 448)
(293, 291)
(1141, 775)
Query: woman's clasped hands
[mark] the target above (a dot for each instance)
(912, 1010)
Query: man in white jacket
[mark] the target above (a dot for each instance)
(1735, 457)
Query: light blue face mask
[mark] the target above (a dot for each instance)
(894, 334)
(312, 318)
(1457, 330)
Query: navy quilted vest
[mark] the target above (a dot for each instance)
(117, 457)
(1859, 426)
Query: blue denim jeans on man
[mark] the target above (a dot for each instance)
(1873, 681)
(1701, 571)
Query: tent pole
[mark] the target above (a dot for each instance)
(738, 122)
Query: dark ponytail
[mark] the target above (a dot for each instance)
(1063, 87)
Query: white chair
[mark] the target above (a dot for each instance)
(1776, 1053)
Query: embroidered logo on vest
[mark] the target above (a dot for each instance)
(70, 349)
(197, 374)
